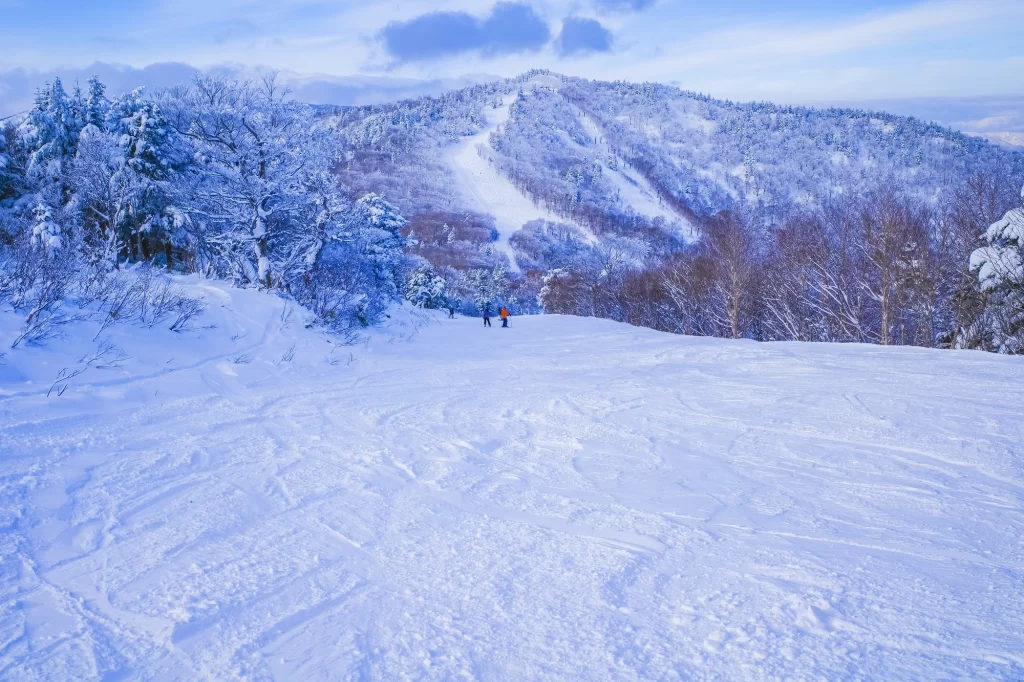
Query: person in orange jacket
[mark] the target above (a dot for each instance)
(504, 316)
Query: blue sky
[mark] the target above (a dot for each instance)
(793, 51)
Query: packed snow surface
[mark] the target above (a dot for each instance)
(564, 499)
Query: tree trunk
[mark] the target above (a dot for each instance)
(263, 263)
(734, 316)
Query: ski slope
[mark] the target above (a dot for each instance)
(487, 190)
(565, 499)
(632, 188)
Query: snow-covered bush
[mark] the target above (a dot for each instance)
(37, 282)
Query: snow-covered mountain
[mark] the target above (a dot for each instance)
(670, 209)
(618, 157)
(569, 498)
(639, 203)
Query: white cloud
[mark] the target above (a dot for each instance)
(932, 20)
(877, 54)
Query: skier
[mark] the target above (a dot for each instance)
(487, 316)
(504, 316)
(451, 312)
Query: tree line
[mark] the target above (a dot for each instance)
(884, 268)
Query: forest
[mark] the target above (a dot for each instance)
(776, 223)
(227, 179)
(804, 224)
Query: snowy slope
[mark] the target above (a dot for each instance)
(632, 188)
(487, 190)
(566, 499)
(1014, 141)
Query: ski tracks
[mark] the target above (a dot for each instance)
(483, 505)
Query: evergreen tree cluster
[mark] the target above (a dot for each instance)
(229, 179)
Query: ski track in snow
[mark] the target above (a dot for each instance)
(565, 499)
(490, 192)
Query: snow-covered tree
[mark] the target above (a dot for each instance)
(51, 131)
(379, 214)
(374, 225)
(107, 195)
(150, 147)
(6, 179)
(1000, 268)
(426, 289)
(96, 103)
(254, 151)
(349, 267)
(487, 288)
(320, 223)
(46, 233)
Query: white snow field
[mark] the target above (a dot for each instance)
(565, 499)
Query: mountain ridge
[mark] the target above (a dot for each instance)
(912, 142)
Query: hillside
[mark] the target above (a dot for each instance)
(568, 498)
(614, 157)
(670, 209)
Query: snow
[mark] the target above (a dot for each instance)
(487, 190)
(1001, 262)
(633, 189)
(688, 119)
(1009, 228)
(566, 499)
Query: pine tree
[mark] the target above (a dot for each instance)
(5, 166)
(376, 225)
(488, 287)
(96, 103)
(45, 232)
(150, 146)
(52, 130)
(77, 103)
